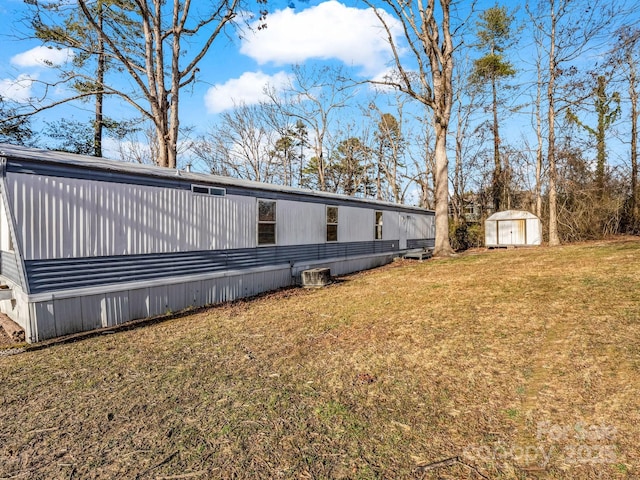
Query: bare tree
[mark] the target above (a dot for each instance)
(390, 148)
(423, 166)
(240, 145)
(567, 30)
(607, 110)
(625, 61)
(427, 30)
(158, 44)
(494, 36)
(18, 130)
(312, 98)
(465, 99)
(538, 118)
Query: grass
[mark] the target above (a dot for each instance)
(504, 364)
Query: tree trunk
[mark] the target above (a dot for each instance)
(458, 201)
(99, 120)
(633, 201)
(498, 180)
(321, 171)
(601, 160)
(379, 174)
(441, 180)
(174, 120)
(554, 239)
(539, 146)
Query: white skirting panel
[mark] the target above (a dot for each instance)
(72, 314)
(65, 316)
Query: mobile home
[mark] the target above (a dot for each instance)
(87, 243)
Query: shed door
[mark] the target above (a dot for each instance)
(512, 232)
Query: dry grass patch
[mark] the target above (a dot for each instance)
(520, 363)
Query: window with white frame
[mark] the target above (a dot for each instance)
(378, 226)
(266, 222)
(205, 190)
(332, 224)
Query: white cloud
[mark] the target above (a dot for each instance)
(17, 90)
(248, 89)
(384, 77)
(42, 57)
(329, 30)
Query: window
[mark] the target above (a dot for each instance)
(332, 224)
(204, 190)
(378, 227)
(200, 189)
(266, 222)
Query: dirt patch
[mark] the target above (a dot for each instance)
(5, 340)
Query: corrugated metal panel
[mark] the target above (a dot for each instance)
(139, 303)
(69, 218)
(115, 308)
(225, 289)
(420, 227)
(5, 232)
(391, 225)
(421, 243)
(28, 161)
(93, 314)
(490, 232)
(9, 264)
(416, 228)
(341, 267)
(428, 227)
(355, 225)
(44, 321)
(534, 231)
(64, 316)
(177, 298)
(193, 292)
(511, 232)
(511, 215)
(309, 220)
(59, 274)
(158, 300)
(68, 313)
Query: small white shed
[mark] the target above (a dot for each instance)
(512, 228)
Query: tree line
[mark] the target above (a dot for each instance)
(435, 131)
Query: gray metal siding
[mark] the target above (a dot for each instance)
(391, 225)
(43, 321)
(59, 274)
(355, 225)
(139, 303)
(105, 171)
(116, 309)
(9, 266)
(309, 220)
(68, 218)
(68, 314)
(91, 306)
(421, 243)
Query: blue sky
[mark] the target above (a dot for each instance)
(239, 66)
(236, 69)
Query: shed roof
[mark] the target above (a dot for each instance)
(512, 215)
